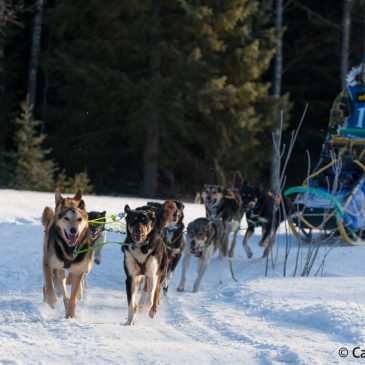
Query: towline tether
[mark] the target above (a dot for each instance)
(132, 244)
(115, 218)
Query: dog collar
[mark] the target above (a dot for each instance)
(67, 264)
(201, 249)
(139, 245)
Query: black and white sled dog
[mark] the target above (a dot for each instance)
(145, 256)
(265, 211)
(174, 240)
(204, 237)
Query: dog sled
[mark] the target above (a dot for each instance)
(332, 199)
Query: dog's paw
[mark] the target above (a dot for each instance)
(97, 261)
(51, 299)
(180, 289)
(130, 322)
(231, 253)
(70, 316)
(152, 313)
(263, 244)
(145, 306)
(265, 254)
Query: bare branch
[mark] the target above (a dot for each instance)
(317, 16)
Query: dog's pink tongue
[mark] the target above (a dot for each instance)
(72, 239)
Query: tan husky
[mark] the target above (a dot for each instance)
(66, 230)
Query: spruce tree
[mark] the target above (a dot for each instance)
(163, 97)
(230, 46)
(30, 168)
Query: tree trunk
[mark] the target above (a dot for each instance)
(346, 27)
(34, 53)
(278, 69)
(149, 184)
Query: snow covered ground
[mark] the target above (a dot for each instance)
(257, 320)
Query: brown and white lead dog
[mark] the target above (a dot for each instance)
(66, 229)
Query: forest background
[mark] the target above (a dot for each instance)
(156, 98)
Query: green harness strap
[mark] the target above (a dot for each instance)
(102, 220)
(77, 252)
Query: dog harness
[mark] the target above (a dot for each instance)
(61, 253)
(253, 215)
(142, 266)
(170, 242)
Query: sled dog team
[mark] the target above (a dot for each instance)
(154, 242)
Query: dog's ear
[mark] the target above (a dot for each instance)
(151, 216)
(58, 197)
(169, 209)
(103, 213)
(127, 209)
(78, 195)
(169, 206)
(81, 205)
(198, 198)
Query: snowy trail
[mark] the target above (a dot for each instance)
(257, 320)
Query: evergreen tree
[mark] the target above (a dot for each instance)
(165, 97)
(90, 98)
(31, 170)
(68, 184)
(230, 47)
(10, 20)
(28, 167)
